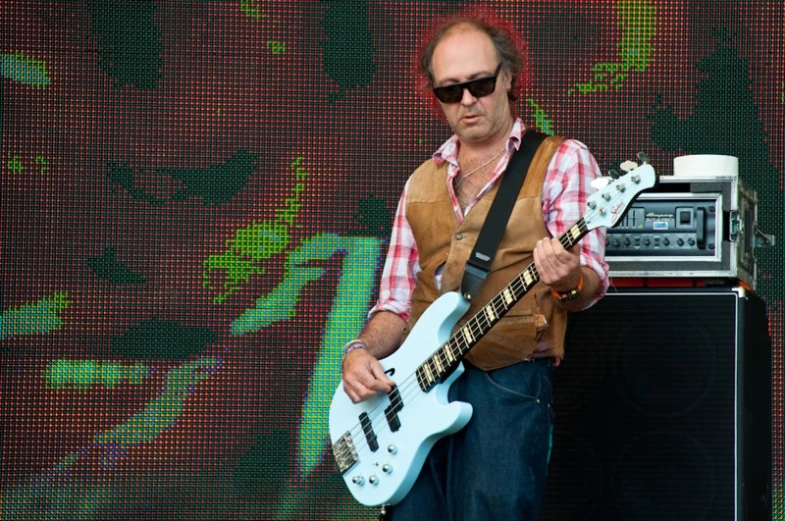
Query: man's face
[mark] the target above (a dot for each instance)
(465, 54)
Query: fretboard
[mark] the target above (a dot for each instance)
(447, 357)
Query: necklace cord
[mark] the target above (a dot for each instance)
(481, 166)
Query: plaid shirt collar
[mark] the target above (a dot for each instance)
(449, 149)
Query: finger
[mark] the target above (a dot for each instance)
(564, 253)
(363, 392)
(568, 255)
(565, 260)
(543, 253)
(382, 377)
(349, 389)
(546, 248)
(376, 385)
(368, 382)
(561, 254)
(555, 255)
(353, 396)
(549, 258)
(540, 262)
(366, 394)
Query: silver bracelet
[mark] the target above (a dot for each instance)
(354, 344)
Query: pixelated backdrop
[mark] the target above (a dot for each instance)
(196, 202)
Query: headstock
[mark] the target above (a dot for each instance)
(609, 204)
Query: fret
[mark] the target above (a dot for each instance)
(438, 363)
(451, 347)
(467, 334)
(448, 354)
(574, 234)
(462, 347)
(529, 280)
(422, 378)
(476, 325)
(490, 313)
(499, 306)
(575, 231)
(456, 349)
(481, 320)
(474, 328)
(428, 373)
(508, 297)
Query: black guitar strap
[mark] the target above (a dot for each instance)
(479, 264)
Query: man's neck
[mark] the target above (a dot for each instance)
(488, 146)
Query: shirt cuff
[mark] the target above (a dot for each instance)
(600, 267)
(393, 306)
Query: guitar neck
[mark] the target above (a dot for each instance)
(447, 357)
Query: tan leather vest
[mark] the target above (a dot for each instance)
(442, 241)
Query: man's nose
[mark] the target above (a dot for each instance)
(467, 98)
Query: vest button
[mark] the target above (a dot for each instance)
(459, 236)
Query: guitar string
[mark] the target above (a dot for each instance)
(474, 322)
(407, 383)
(475, 326)
(481, 321)
(405, 387)
(405, 393)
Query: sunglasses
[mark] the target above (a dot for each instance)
(478, 88)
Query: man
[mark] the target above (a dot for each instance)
(495, 468)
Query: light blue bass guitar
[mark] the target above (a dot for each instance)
(380, 444)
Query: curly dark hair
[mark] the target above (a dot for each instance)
(509, 47)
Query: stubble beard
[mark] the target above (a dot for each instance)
(483, 130)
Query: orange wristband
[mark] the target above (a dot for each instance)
(569, 295)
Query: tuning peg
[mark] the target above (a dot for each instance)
(613, 174)
(643, 158)
(628, 166)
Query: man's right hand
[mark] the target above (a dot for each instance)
(363, 376)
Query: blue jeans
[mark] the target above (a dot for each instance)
(495, 468)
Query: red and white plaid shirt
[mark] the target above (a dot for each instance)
(565, 190)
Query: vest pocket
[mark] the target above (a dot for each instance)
(510, 341)
(514, 329)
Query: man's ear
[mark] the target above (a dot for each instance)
(507, 81)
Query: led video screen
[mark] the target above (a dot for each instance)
(197, 199)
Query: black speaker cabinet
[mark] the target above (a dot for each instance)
(663, 409)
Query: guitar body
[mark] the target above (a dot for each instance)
(424, 417)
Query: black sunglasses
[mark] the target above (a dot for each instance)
(478, 88)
